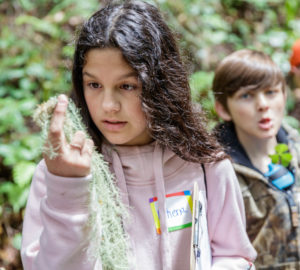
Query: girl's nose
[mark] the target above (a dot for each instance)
(110, 102)
(262, 102)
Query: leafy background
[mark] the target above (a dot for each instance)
(36, 46)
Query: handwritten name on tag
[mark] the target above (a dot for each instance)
(179, 207)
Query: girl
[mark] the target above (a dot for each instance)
(133, 92)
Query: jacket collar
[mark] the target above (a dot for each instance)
(227, 136)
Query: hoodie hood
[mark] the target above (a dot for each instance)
(136, 162)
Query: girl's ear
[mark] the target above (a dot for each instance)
(222, 112)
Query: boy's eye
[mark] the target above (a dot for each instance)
(245, 96)
(271, 92)
(127, 86)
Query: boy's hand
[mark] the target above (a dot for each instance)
(74, 159)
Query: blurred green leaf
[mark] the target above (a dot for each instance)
(40, 25)
(17, 195)
(281, 148)
(17, 241)
(23, 172)
(26, 106)
(11, 118)
(286, 159)
(275, 158)
(282, 156)
(200, 82)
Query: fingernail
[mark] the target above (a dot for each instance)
(62, 103)
(62, 99)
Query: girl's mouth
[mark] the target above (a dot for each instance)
(113, 125)
(265, 123)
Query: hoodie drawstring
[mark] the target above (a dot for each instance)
(161, 204)
(121, 182)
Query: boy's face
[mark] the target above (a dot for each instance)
(256, 114)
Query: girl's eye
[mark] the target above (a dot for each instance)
(94, 85)
(128, 87)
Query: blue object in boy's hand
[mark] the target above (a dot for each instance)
(279, 176)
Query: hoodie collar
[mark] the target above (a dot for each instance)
(136, 162)
(227, 136)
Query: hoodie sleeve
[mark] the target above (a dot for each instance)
(54, 230)
(230, 245)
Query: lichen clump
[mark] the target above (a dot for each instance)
(108, 241)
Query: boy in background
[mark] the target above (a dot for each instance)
(250, 97)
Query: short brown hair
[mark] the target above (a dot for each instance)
(247, 69)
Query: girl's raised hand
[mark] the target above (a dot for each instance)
(73, 159)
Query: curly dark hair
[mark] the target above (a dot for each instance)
(146, 42)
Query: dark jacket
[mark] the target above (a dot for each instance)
(268, 210)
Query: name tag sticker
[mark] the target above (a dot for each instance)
(179, 208)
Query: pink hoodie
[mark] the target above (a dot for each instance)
(54, 235)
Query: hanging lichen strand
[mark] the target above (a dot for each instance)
(108, 242)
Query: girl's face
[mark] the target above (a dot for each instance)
(112, 90)
(256, 114)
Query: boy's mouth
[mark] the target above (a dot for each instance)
(265, 123)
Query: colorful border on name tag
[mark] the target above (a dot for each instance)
(155, 214)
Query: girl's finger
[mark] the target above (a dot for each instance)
(56, 134)
(87, 148)
(78, 141)
(86, 154)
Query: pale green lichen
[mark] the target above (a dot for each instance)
(108, 241)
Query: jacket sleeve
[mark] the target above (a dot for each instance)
(230, 245)
(54, 231)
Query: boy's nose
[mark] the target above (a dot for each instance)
(262, 102)
(110, 102)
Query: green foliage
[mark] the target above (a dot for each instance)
(200, 83)
(35, 51)
(17, 241)
(213, 29)
(281, 156)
